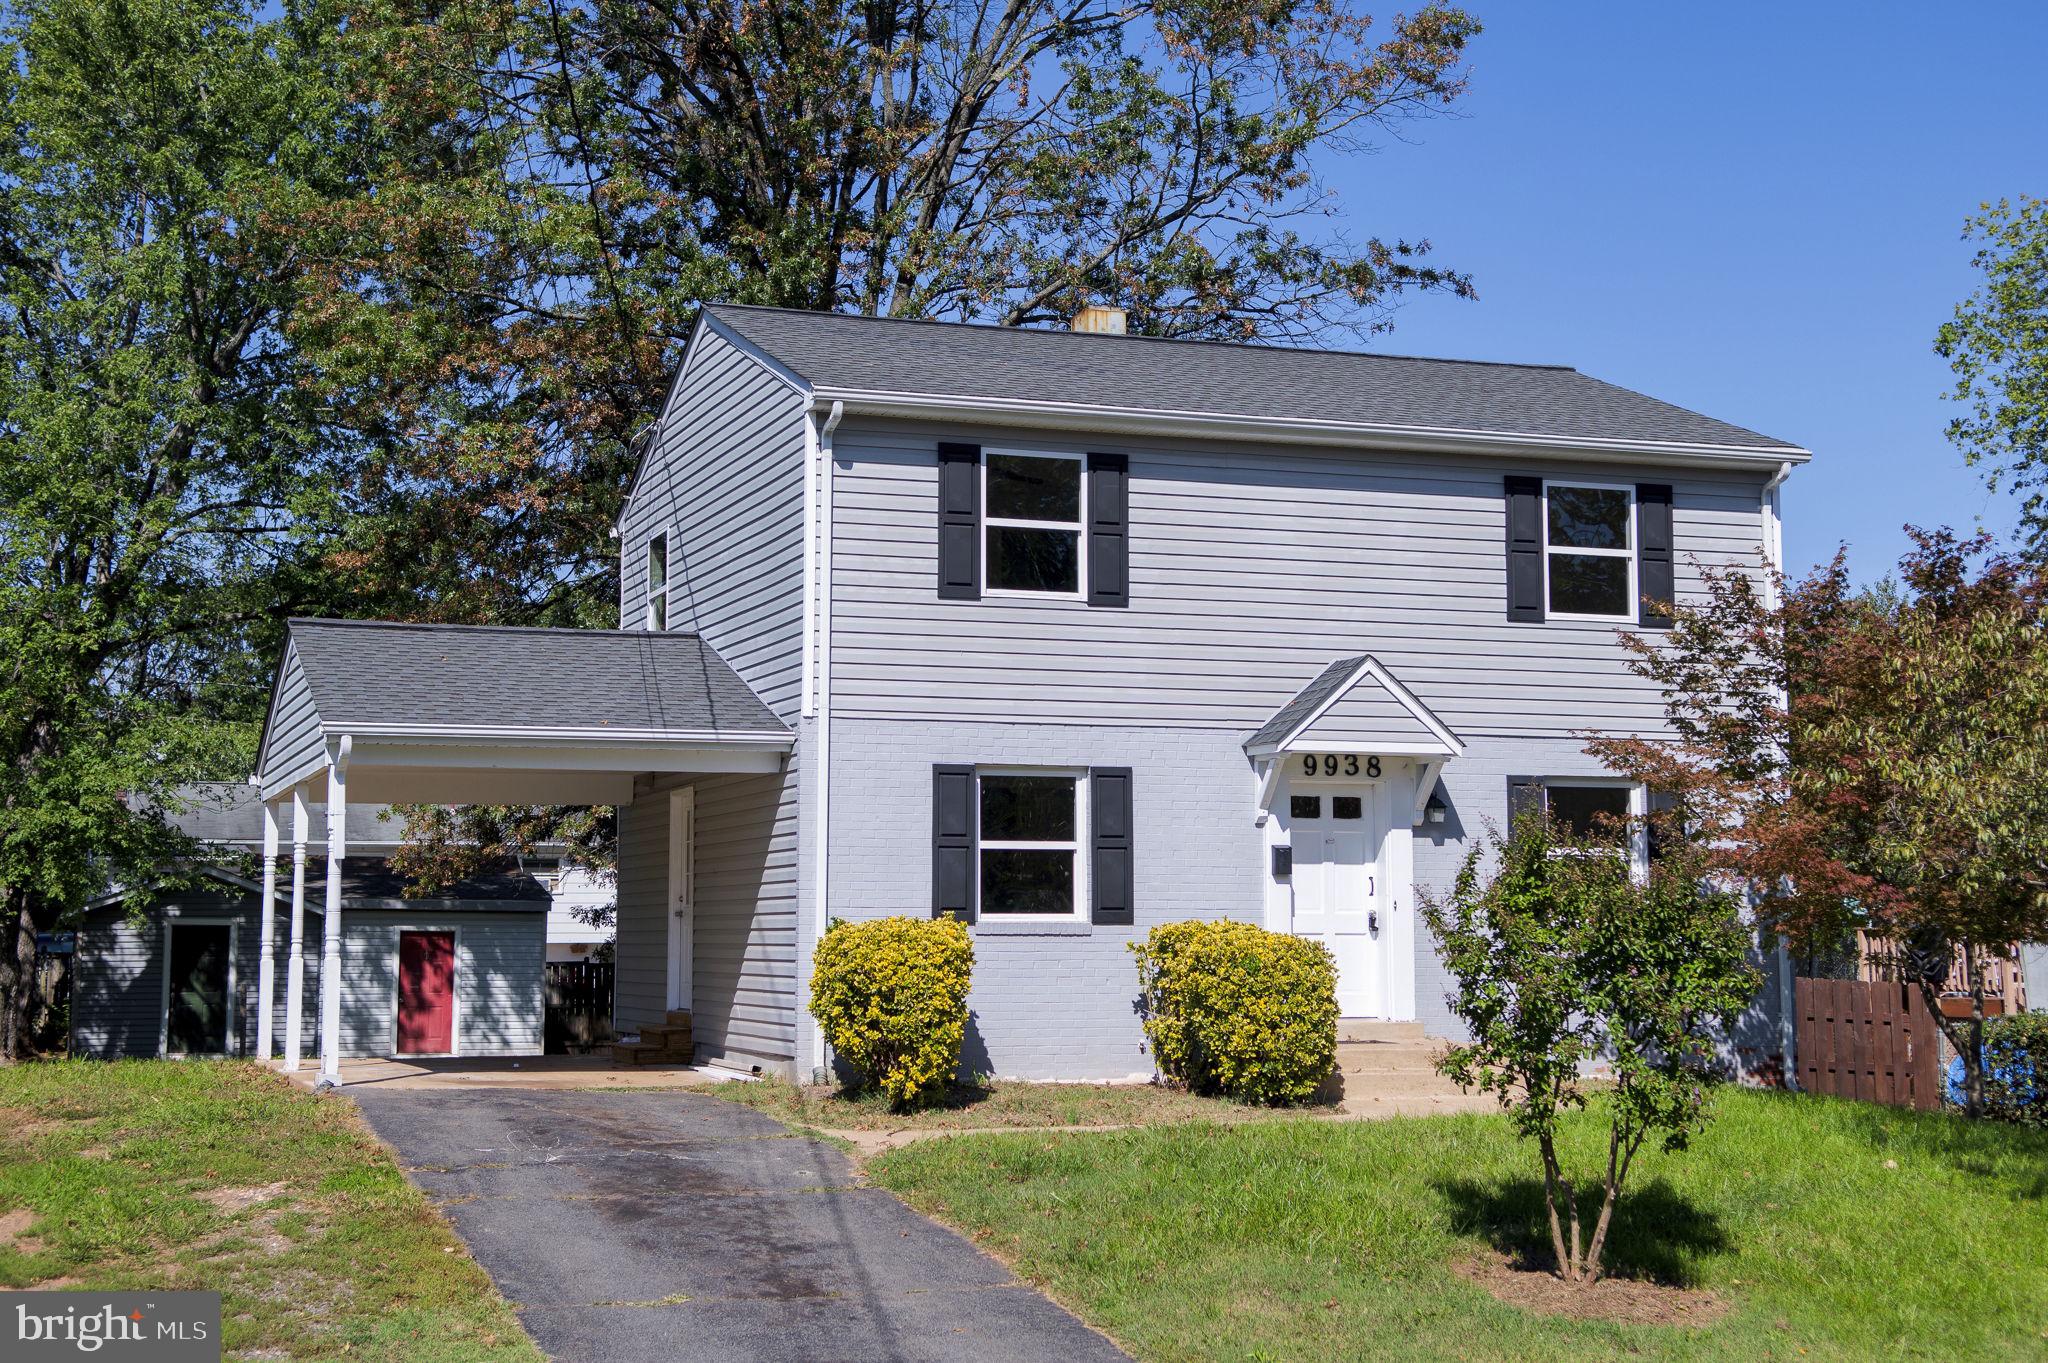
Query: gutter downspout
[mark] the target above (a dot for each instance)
(1774, 563)
(821, 873)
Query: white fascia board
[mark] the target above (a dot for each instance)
(778, 739)
(1362, 749)
(1297, 431)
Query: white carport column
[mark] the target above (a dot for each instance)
(330, 936)
(266, 936)
(295, 966)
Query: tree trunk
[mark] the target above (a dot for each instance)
(1555, 1187)
(1973, 1053)
(17, 977)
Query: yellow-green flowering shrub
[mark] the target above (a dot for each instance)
(1233, 1009)
(891, 994)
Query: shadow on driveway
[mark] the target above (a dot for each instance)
(673, 1227)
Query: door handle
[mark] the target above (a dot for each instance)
(1372, 923)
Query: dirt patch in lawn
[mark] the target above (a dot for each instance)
(14, 1228)
(1626, 1300)
(232, 1200)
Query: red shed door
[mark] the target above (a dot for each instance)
(426, 993)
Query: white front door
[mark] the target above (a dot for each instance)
(682, 809)
(1339, 886)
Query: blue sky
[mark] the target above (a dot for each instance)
(1749, 209)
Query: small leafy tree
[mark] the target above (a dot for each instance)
(1564, 957)
(1870, 760)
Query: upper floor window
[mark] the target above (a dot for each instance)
(1032, 509)
(1589, 550)
(657, 582)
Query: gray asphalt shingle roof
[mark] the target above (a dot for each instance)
(501, 677)
(1305, 702)
(881, 355)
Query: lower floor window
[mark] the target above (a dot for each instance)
(1586, 811)
(1030, 843)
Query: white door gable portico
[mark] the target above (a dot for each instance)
(386, 713)
(1345, 770)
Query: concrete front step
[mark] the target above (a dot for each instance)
(1372, 1029)
(674, 1038)
(639, 1053)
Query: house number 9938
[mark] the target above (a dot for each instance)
(1339, 764)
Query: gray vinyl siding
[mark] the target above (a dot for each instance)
(744, 992)
(745, 880)
(1250, 571)
(292, 738)
(725, 478)
(498, 992)
(640, 978)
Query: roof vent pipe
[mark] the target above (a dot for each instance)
(1102, 320)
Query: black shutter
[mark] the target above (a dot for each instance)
(1662, 804)
(959, 522)
(953, 843)
(1525, 547)
(1109, 532)
(1111, 877)
(1655, 580)
(1525, 796)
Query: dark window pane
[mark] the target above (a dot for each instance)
(657, 612)
(657, 564)
(1589, 584)
(1588, 518)
(1023, 488)
(1581, 809)
(1016, 881)
(1347, 807)
(1027, 809)
(1304, 806)
(1034, 560)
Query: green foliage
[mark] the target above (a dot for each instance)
(1997, 344)
(1233, 1009)
(891, 994)
(168, 469)
(1563, 957)
(2016, 1068)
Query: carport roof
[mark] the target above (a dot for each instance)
(375, 672)
(482, 713)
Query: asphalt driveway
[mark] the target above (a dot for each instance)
(673, 1227)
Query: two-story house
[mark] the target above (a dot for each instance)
(1064, 634)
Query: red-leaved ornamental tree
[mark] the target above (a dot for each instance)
(1874, 760)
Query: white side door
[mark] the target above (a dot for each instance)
(682, 811)
(1337, 885)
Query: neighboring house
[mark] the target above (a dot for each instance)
(1065, 635)
(458, 975)
(572, 889)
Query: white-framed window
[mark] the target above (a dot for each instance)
(1030, 825)
(1589, 550)
(1033, 527)
(1590, 808)
(657, 581)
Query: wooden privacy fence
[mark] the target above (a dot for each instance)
(1871, 1040)
(579, 1005)
(2005, 985)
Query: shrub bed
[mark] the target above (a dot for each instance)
(2015, 1070)
(1232, 1009)
(891, 994)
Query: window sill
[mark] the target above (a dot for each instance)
(996, 927)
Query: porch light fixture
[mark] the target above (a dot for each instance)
(1436, 809)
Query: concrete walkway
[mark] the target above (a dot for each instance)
(522, 1072)
(674, 1227)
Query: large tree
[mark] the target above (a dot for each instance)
(1997, 344)
(1872, 760)
(166, 463)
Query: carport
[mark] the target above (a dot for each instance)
(389, 713)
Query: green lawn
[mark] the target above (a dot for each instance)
(220, 1176)
(1831, 1230)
